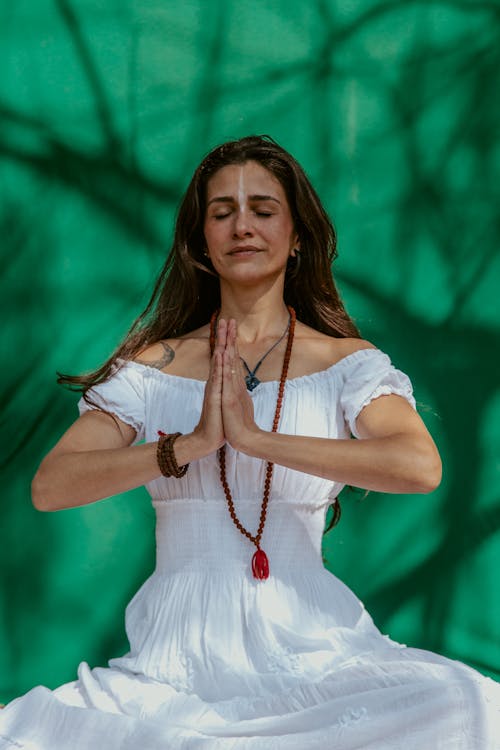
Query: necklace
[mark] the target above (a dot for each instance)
(250, 378)
(260, 563)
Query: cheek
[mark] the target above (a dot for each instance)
(210, 232)
(283, 235)
(214, 239)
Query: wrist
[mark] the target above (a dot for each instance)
(196, 445)
(189, 447)
(249, 442)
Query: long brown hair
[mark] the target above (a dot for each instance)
(187, 289)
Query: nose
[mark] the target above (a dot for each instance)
(242, 224)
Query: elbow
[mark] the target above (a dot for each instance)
(430, 473)
(37, 494)
(40, 495)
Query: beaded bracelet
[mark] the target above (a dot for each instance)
(165, 456)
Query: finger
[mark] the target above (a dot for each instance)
(228, 372)
(234, 331)
(235, 345)
(212, 400)
(217, 368)
(222, 328)
(214, 381)
(226, 362)
(237, 366)
(231, 337)
(217, 381)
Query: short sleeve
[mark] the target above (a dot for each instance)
(122, 395)
(371, 374)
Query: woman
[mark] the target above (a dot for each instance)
(246, 378)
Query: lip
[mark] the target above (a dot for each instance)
(245, 250)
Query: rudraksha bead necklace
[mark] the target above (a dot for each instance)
(260, 563)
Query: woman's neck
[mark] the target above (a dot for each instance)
(257, 317)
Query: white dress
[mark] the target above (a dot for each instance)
(221, 661)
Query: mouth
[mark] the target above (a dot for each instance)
(244, 250)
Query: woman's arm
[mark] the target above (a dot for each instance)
(94, 460)
(395, 454)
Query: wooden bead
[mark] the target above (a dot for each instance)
(165, 456)
(269, 468)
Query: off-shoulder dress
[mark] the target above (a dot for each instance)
(219, 660)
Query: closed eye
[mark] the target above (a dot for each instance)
(266, 214)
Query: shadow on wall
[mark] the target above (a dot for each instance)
(449, 195)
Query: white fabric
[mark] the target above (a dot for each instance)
(221, 661)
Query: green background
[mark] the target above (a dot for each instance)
(392, 108)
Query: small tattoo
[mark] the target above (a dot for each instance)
(165, 359)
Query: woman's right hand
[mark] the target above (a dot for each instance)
(94, 458)
(210, 429)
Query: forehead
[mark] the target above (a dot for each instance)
(250, 178)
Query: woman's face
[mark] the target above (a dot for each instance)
(248, 225)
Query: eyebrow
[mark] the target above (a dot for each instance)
(230, 199)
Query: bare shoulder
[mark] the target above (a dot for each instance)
(159, 354)
(344, 347)
(183, 356)
(329, 348)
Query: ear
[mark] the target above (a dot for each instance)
(295, 246)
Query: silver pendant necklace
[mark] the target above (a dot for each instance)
(251, 380)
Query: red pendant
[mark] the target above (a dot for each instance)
(260, 565)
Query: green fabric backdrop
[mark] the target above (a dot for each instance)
(393, 109)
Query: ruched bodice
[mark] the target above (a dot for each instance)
(219, 660)
(200, 535)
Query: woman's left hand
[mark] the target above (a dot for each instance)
(237, 406)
